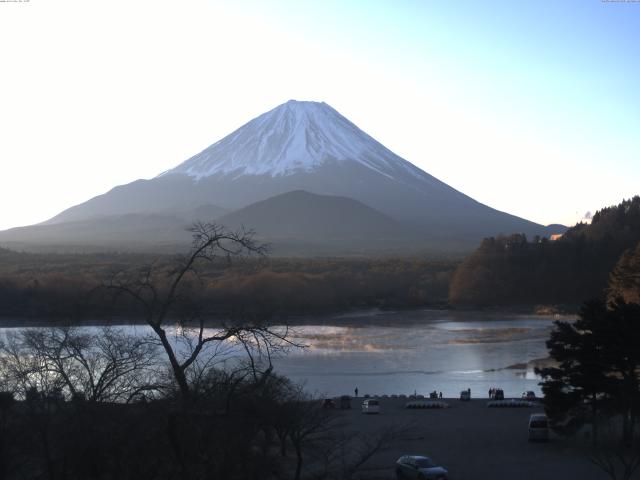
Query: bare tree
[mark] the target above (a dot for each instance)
(618, 460)
(164, 294)
(347, 455)
(108, 366)
(9, 456)
(619, 463)
(324, 448)
(307, 421)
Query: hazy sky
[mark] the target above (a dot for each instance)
(531, 107)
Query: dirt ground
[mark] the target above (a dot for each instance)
(473, 441)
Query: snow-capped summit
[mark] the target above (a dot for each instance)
(299, 173)
(294, 137)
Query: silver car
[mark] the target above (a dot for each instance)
(418, 466)
(538, 427)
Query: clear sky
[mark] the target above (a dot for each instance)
(532, 107)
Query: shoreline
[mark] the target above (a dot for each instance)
(349, 317)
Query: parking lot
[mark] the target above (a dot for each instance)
(472, 441)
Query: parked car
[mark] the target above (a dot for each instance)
(345, 402)
(529, 395)
(328, 403)
(465, 395)
(538, 427)
(419, 466)
(371, 405)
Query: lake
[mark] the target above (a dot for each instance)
(420, 351)
(386, 353)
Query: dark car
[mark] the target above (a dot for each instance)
(419, 466)
(345, 402)
(328, 403)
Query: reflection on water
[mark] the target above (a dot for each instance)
(402, 352)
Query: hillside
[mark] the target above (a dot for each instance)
(293, 223)
(134, 232)
(322, 223)
(625, 278)
(516, 271)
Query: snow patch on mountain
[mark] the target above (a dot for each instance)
(295, 137)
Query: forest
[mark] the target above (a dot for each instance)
(173, 403)
(66, 287)
(513, 270)
(505, 271)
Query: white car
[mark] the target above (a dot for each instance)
(418, 466)
(538, 427)
(371, 405)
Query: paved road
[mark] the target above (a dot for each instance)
(475, 442)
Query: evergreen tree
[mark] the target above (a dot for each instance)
(576, 388)
(598, 371)
(508, 270)
(624, 280)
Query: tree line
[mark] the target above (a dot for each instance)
(514, 270)
(60, 287)
(594, 386)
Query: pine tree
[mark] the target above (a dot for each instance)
(598, 371)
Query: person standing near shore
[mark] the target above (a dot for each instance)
(356, 391)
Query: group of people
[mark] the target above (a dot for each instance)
(493, 391)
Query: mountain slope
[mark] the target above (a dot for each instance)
(292, 138)
(296, 146)
(322, 223)
(292, 223)
(307, 146)
(129, 232)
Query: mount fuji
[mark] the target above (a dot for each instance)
(304, 153)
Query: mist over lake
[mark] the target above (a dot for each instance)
(386, 353)
(402, 352)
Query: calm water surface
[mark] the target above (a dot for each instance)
(413, 351)
(403, 352)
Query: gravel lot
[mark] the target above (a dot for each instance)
(473, 442)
